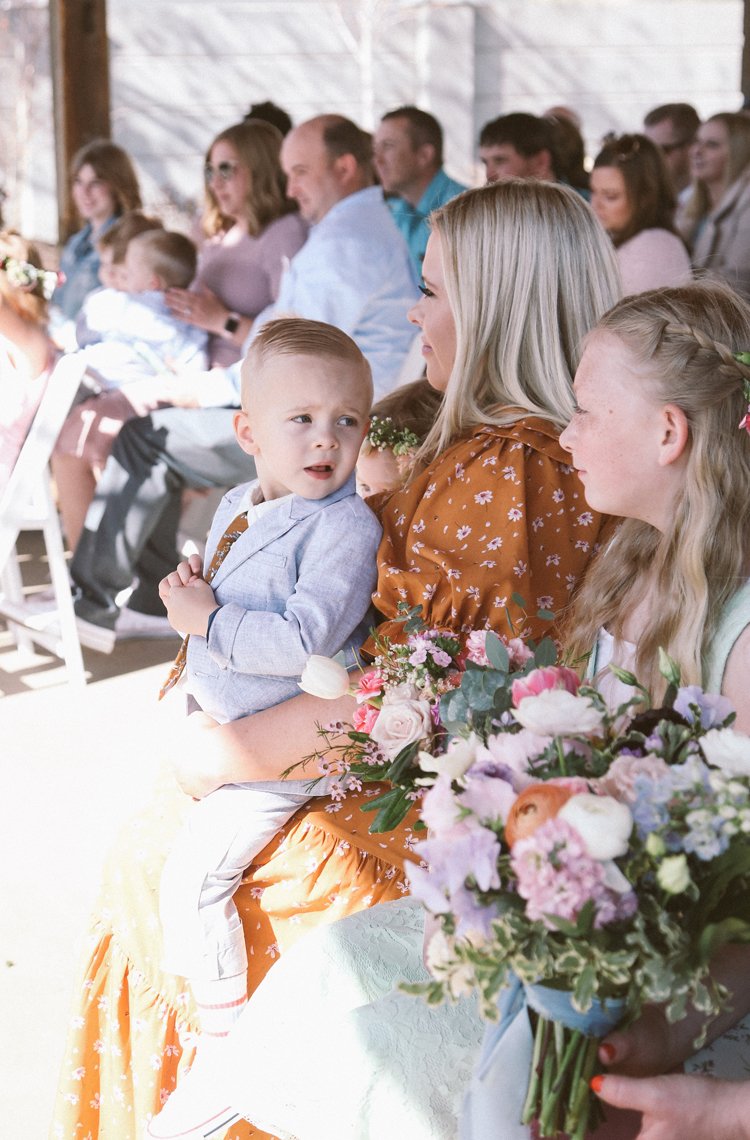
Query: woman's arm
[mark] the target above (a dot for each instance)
(734, 685)
(203, 309)
(257, 747)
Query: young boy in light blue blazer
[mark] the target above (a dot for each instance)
(291, 565)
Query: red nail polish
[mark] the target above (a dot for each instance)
(596, 1083)
(607, 1053)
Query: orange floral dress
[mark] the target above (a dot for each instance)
(501, 512)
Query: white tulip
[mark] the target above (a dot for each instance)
(324, 677)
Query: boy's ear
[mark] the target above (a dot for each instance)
(244, 433)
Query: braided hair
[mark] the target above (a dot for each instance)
(686, 340)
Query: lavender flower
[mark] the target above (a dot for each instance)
(707, 709)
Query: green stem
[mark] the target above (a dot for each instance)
(581, 1098)
(573, 1050)
(547, 1102)
(561, 757)
(529, 1106)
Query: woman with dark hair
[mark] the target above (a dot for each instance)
(570, 152)
(104, 186)
(252, 229)
(633, 199)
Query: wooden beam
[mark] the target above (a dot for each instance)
(80, 84)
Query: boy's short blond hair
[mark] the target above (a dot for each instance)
(296, 336)
(172, 256)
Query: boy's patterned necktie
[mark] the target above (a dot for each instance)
(236, 527)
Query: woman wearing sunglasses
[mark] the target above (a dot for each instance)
(252, 231)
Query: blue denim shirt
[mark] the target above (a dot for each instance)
(79, 261)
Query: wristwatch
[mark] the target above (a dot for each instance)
(232, 323)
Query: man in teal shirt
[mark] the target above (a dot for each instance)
(408, 152)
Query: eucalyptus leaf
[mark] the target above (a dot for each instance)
(496, 652)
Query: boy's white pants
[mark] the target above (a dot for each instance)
(202, 931)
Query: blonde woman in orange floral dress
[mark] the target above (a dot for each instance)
(515, 275)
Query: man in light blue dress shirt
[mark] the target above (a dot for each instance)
(408, 152)
(354, 270)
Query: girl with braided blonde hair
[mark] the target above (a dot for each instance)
(659, 438)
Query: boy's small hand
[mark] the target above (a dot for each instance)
(186, 572)
(189, 606)
(189, 600)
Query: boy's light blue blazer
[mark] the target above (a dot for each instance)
(298, 581)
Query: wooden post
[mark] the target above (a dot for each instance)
(80, 74)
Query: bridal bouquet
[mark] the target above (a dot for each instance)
(398, 733)
(581, 863)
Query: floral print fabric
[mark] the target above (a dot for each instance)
(499, 513)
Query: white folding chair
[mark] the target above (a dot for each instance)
(27, 504)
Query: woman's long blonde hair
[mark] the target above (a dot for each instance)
(528, 272)
(684, 341)
(737, 126)
(258, 146)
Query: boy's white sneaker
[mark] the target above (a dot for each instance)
(198, 1109)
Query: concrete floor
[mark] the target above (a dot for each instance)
(74, 766)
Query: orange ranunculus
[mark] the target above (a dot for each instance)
(535, 805)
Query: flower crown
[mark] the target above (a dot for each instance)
(24, 275)
(744, 358)
(384, 435)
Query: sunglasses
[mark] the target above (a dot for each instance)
(224, 171)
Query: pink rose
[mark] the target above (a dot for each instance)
(364, 718)
(540, 680)
(370, 685)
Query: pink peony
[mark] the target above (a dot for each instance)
(364, 718)
(370, 685)
(539, 680)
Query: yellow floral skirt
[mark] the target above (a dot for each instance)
(131, 1035)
